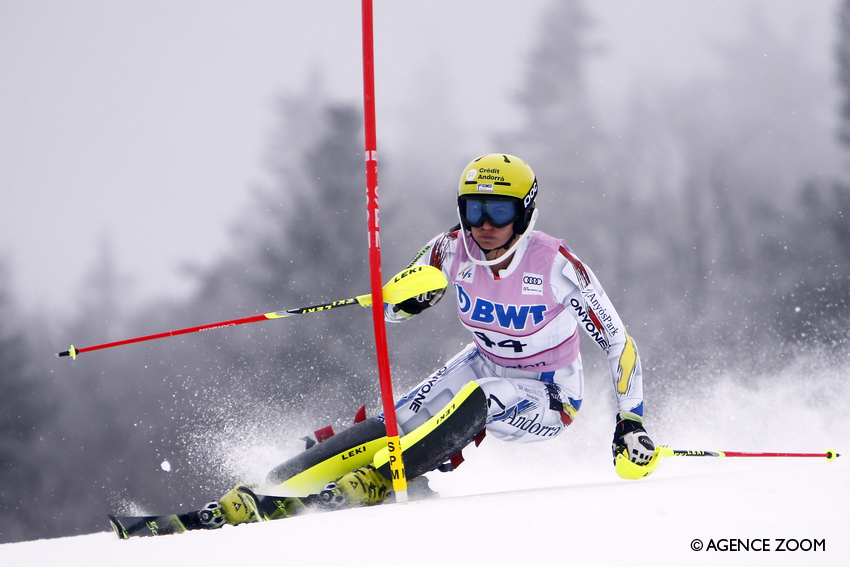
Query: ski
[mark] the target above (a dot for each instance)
(126, 527)
(246, 507)
(210, 516)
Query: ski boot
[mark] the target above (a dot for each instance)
(362, 487)
(239, 506)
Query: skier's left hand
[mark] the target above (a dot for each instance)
(631, 436)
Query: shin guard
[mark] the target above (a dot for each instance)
(441, 437)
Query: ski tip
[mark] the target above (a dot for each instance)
(360, 415)
(117, 527)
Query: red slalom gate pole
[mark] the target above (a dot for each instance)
(393, 440)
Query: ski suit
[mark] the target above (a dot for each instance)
(525, 351)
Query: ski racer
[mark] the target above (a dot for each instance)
(523, 295)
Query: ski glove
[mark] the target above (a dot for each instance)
(631, 436)
(418, 304)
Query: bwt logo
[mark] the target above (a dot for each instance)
(506, 316)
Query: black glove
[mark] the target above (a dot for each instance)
(416, 305)
(631, 436)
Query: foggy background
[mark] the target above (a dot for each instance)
(167, 165)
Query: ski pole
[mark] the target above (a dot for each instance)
(829, 454)
(629, 470)
(406, 284)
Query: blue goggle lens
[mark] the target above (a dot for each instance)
(499, 213)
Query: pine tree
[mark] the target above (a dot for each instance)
(841, 221)
(559, 136)
(842, 54)
(24, 411)
(305, 244)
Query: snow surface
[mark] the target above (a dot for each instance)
(601, 522)
(560, 502)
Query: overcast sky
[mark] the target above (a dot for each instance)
(144, 123)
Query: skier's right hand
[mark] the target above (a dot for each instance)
(418, 304)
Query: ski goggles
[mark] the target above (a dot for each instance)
(498, 211)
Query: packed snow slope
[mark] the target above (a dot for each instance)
(599, 521)
(561, 503)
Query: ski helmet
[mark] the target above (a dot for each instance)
(500, 188)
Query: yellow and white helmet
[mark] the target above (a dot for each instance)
(500, 188)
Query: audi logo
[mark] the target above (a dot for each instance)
(532, 281)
